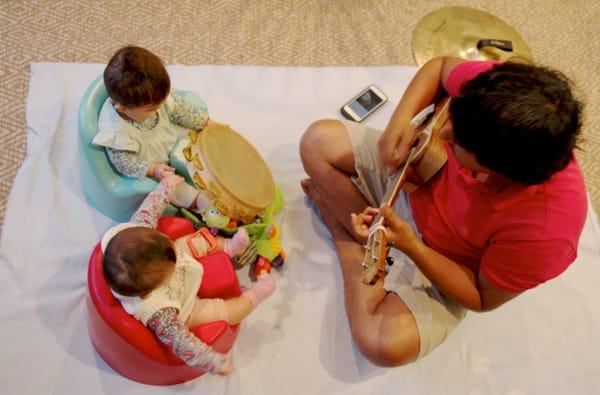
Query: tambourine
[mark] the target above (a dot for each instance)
(224, 166)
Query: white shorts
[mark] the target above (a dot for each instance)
(436, 315)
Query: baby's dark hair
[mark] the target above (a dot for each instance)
(135, 77)
(520, 120)
(136, 261)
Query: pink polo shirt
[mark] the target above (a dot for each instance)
(519, 236)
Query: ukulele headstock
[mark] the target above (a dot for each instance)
(374, 261)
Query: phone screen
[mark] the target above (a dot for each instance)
(365, 103)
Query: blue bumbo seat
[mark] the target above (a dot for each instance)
(112, 194)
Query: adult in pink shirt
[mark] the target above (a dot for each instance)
(502, 216)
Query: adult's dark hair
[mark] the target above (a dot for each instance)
(519, 120)
(135, 77)
(136, 261)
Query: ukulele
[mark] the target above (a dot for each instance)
(426, 156)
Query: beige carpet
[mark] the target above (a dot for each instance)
(563, 34)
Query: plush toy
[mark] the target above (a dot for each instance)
(268, 243)
(265, 249)
(214, 218)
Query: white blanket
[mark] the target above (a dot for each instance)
(298, 341)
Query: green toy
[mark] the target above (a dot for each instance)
(268, 241)
(265, 248)
(213, 217)
(265, 239)
(265, 235)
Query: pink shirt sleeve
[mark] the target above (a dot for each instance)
(465, 72)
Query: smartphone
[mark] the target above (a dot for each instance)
(364, 104)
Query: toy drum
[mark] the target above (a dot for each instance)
(225, 166)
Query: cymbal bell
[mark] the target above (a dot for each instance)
(466, 33)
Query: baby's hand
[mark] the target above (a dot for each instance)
(362, 222)
(171, 181)
(162, 170)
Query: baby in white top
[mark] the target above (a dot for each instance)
(142, 120)
(157, 280)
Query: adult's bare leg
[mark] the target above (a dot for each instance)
(381, 324)
(327, 158)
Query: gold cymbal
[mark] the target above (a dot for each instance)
(457, 31)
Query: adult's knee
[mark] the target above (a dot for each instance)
(313, 138)
(382, 352)
(324, 143)
(386, 351)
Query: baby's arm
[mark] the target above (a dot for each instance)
(128, 163)
(155, 203)
(193, 351)
(185, 114)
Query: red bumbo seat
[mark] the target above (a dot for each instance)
(132, 349)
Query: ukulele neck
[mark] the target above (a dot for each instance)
(398, 181)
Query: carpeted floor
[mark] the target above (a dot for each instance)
(562, 34)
